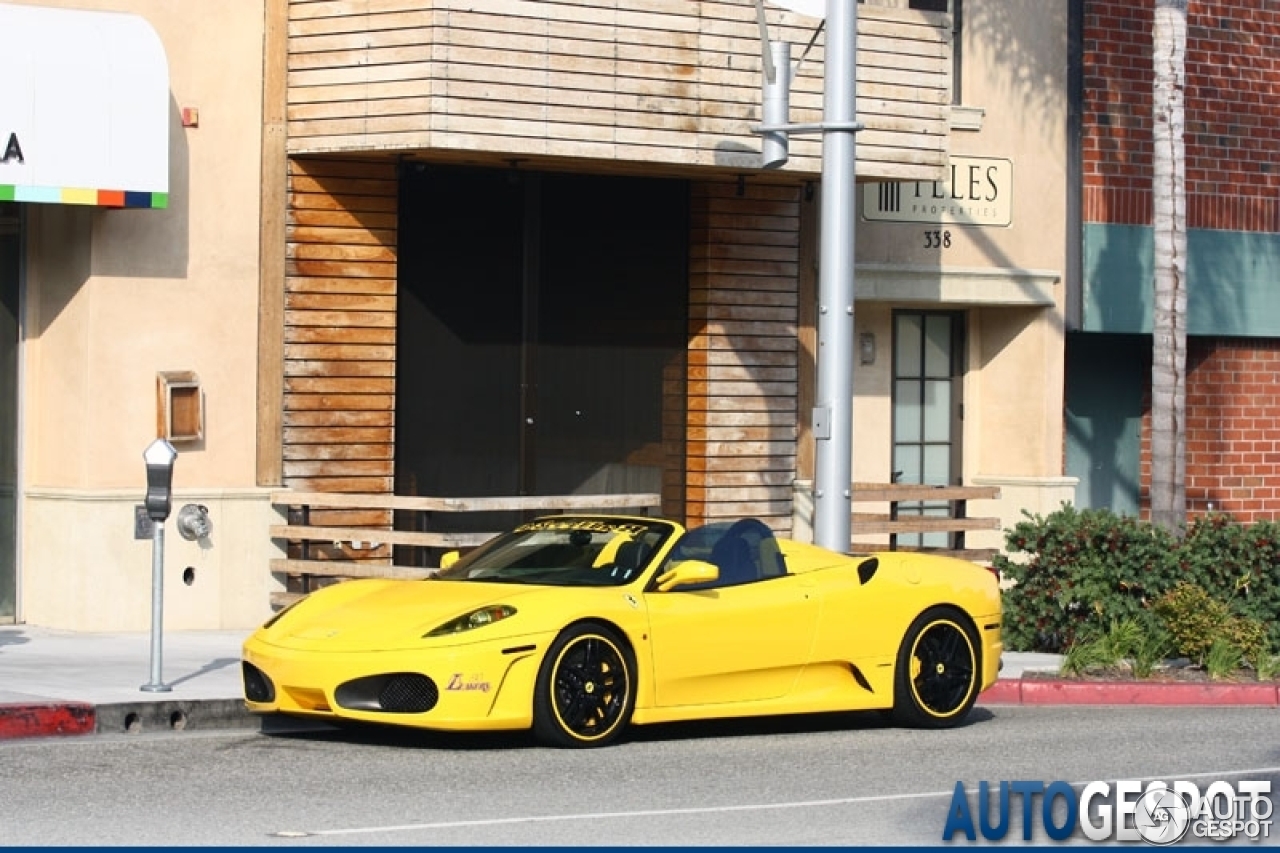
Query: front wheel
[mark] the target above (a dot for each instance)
(938, 676)
(585, 691)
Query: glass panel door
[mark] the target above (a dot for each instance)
(9, 270)
(538, 316)
(926, 409)
(611, 315)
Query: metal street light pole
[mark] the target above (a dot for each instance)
(833, 414)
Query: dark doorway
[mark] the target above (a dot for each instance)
(538, 317)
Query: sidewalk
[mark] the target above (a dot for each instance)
(67, 683)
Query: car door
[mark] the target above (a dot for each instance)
(731, 644)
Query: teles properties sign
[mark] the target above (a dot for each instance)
(84, 109)
(976, 191)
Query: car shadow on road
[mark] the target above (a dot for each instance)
(782, 725)
(371, 734)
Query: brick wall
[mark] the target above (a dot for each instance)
(1232, 113)
(1233, 429)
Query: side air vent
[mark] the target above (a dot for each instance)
(867, 569)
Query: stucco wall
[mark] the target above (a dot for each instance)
(1009, 280)
(115, 296)
(86, 572)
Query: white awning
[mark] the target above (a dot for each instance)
(84, 108)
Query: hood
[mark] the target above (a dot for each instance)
(381, 615)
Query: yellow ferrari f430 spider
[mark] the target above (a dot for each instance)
(578, 626)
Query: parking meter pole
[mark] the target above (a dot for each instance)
(156, 684)
(159, 457)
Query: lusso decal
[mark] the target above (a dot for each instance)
(469, 683)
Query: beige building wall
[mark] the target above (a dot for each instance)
(1008, 280)
(112, 298)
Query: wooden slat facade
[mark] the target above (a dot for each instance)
(657, 87)
(668, 82)
(743, 382)
(339, 337)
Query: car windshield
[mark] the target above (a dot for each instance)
(565, 551)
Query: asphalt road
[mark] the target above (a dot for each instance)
(838, 780)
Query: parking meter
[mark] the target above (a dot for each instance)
(159, 457)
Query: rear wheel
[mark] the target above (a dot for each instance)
(938, 676)
(586, 689)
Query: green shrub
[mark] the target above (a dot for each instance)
(1236, 563)
(1140, 642)
(1085, 654)
(1267, 666)
(1082, 570)
(1075, 572)
(1192, 618)
(1222, 659)
(1246, 634)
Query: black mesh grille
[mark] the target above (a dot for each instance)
(408, 694)
(257, 687)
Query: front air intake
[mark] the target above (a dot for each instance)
(257, 686)
(409, 694)
(394, 693)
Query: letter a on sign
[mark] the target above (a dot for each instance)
(12, 151)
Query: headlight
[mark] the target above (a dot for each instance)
(474, 619)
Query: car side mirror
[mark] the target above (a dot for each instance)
(448, 558)
(687, 572)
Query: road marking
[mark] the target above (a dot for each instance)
(798, 804)
(502, 821)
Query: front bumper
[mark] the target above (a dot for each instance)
(476, 686)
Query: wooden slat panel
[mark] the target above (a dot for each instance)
(609, 79)
(973, 555)
(741, 379)
(549, 503)
(340, 316)
(919, 524)
(324, 568)
(383, 537)
(866, 492)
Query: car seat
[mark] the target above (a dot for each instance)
(735, 558)
(628, 560)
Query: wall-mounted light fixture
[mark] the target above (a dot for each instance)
(867, 348)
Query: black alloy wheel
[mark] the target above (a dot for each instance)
(586, 689)
(938, 675)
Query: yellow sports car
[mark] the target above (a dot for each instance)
(578, 626)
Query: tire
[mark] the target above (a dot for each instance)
(938, 673)
(585, 691)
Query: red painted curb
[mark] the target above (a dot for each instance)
(68, 718)
(1006, 691)
(1048, 691)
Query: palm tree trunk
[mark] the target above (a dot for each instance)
(1169, 328)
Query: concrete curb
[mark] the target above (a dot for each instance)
(56, 719)
(196, 715)
(1049, 691)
